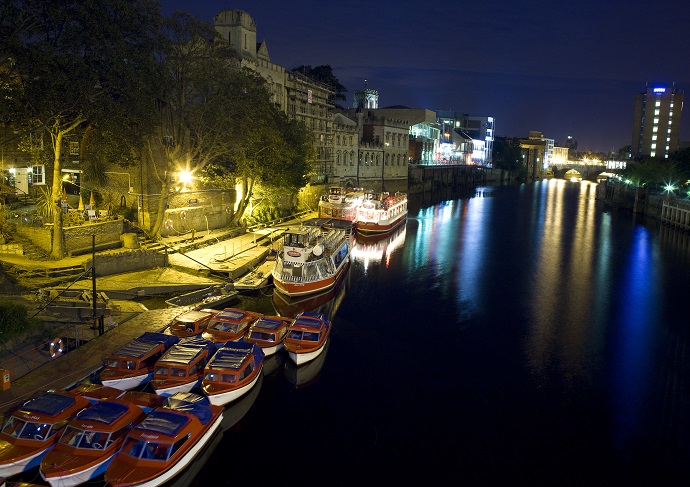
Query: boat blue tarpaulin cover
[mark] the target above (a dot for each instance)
(104, 412)
(232, 355)
(163, 422)
(187, 350)
(145, 343)
(50, 403)
(267, 324)
(191, 403)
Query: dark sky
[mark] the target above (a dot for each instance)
(553, 66)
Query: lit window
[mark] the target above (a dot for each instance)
(655, 129)
(656, 121)
(658, 103)
(670, 114)
(74, 148)
(653, 137)
(653, 146)
(667, 147)
(652, 154)
(671, 105)
(38, 174)
(656, 112)
(668, 139)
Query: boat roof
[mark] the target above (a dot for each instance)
(229, 357)
(50, 403)
(268, 323)
(230, 314)
(192, 315)
(103, 412)
(186, 350)
(189, 402)
(147, 342)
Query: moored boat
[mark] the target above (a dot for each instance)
(340, 203)
(190, 323)
(269, 333)
(230, 324)
(212, 297)
(381, 213)
(257, 278)
(30, 431)
(305, 375)
(168, 439)
(232, 371)
(132, 365)
(312, 257)
(307, 337)
(89, 442)
(181, 368)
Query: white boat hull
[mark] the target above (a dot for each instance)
(226, 397)
(272, 350)
(128, 383)
(13, 468)
(169, 391)
(304, 357)
(80, 477)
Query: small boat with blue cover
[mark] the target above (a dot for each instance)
(232, 371)
(307, 336)
(89, 442)
(181, 368)
(30, 431)
(165, 442)
(269, 333)
(132, 365)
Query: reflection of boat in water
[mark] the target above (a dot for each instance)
(322, 302)
(274, 362)
(232, 414)
(377, 248)
(212, 297)
(307, 374)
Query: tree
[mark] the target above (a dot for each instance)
(75, 65)
(508, 154)
(324, 74)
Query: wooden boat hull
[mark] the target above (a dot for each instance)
(223, 398)
(300, 357)
(79, 477)
(170, 390)
(19, 465)
(173, 468)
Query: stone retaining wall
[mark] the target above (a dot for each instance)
(128, 261)
(78, 238)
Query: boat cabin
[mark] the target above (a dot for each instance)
(190, 323)
(230, 324)
(181, 368)
(232, 367)
(136, 358)
(269, 332)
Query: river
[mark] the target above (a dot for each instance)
(525, 335)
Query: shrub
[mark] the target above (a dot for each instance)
(15, 320)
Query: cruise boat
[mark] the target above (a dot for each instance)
(181, 368)
(168, 439)
(269, 333)
(256, 279)
(312, 257)
(132, 365)
(230, 324)
(89, 442)
(381, 213)
(232, 371)
(340, 203)
(307, 337)
(30, 431)
(190, 323)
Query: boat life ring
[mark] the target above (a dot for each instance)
(57, 347)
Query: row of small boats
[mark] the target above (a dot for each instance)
(131, 437)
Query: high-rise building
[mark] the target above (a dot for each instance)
(656, 125)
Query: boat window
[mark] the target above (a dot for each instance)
(225, 326)
(71, 436)
(162, 371)
(210, 376)
(176, 446)
(310, 336)
(295, 335)
(35, 431)
(178, 372)
(113, 363)
(259, 335)
(93, 440)
(229, 378)
(13, 426)
(131, 365)
(247, 370)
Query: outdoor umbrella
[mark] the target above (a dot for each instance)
(81, 203)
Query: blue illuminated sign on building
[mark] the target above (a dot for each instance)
(659, 90)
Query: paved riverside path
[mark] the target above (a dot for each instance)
(68, 369)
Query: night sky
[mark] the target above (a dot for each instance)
(556, 67)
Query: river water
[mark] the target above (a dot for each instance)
(525, 335)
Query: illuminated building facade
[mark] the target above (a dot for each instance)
(656, 124)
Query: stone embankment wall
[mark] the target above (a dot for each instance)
(128, 261)
(429, 178)
(78, 238)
